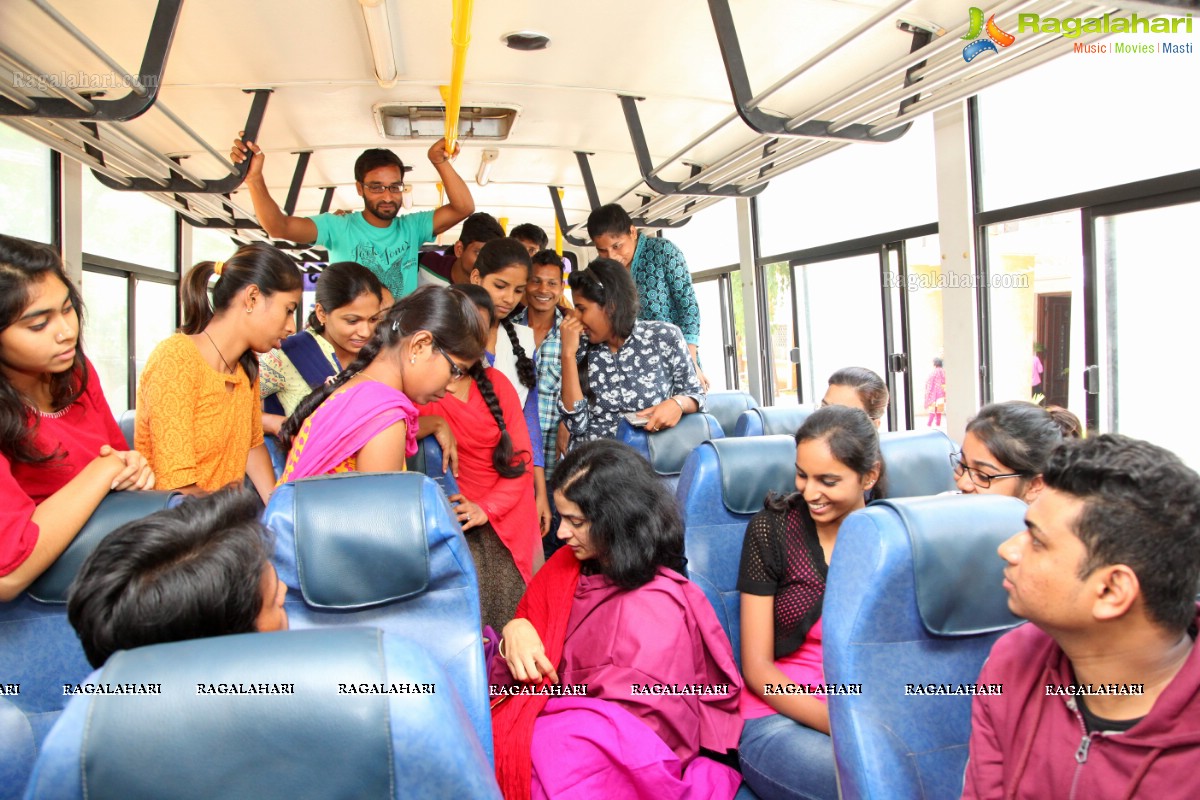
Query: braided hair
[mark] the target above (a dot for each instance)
(445, 312)
(497, 255)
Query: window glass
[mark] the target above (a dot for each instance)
(209, 244)
(127, 226)
(710, 238)
(925, 330)
(1083, 122)
(25, 196)
(1035, 294)
(154, 312)
(712, 342)
(777, 280)
(1145, 274)
(859, 190)
(739, 328)
(105, 335)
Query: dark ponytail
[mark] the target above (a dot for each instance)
(254, 264)
(525, 368)
(23, 264)
(503, 459)
(501, 254)
(445, 312)
(340, 284)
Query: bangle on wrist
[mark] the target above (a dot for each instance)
(680, 402)
(500, 649)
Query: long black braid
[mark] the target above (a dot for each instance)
(525, 370)
(507, 464)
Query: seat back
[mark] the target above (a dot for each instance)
(914, 596)
(342, 713)
(384, 550)
(727, 407)
(428, 460)
(773, 420)
(127, 425)
(38, 647)
(667, 450)
(723, 485)
(918, 463)
(16, 745)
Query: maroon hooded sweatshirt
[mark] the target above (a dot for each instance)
(1031, 742)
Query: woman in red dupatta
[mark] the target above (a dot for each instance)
(364, 420)
(613, 611)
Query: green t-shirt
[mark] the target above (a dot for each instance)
(391, 252)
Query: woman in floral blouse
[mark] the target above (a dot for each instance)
(623, 365)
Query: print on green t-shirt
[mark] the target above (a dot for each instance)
(391, 252)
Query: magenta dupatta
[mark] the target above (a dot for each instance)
(344, 423)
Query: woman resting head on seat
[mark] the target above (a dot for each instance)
(200, 569)
(625, 365)
(1005, 447)
(495, 502)
(365, 419)
(785, 749)
(61, 451)
(199, 417)
(613, 610)
(858, 387)
(503, 269)
(347, 309)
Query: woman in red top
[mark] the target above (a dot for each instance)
(61, 451)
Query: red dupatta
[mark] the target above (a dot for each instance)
(547, 605)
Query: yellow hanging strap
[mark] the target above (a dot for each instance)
(460, 39)
(558, 237)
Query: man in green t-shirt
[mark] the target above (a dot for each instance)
(378, 237)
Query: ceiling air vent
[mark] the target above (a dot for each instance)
(416, 121)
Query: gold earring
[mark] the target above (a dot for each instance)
(249, 310)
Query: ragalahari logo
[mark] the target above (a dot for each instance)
(995, 36)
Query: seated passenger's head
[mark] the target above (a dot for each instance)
(858, 387)
(530, 235)
(379, 178)
(503, 269)
(545, 287)
(617, 516)
(837, 462)
(477, 230)
(605, 299)
(349, 297)
(200, 569)
(1113, 539)
(41, 319)
(1004, 449)
(613, 233)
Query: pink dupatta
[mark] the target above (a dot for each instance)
(344, 423)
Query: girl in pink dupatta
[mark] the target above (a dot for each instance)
(661, 683)
(364, 420)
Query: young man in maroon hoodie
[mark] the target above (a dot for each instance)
(1101, 691)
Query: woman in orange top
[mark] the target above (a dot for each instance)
(198, 417)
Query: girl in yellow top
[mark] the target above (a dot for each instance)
(198, 417)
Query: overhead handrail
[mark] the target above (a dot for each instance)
(560, 217)
(143, 88)
(460, 40)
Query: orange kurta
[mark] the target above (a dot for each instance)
(190, 426)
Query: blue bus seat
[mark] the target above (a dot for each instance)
(38, 647)
(724, 484)
(667, 450)
(727, 407)
(319, 740)
(773, 420)
(918, 463)
(17, 745)
(127, 424)
(428, 460)
(384, 550)
(914, 597)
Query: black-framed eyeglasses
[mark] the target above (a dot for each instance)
(981, 479)
(456, 372)
(380, 188)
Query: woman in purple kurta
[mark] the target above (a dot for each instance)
(613, 611)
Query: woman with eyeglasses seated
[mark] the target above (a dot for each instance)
(613, 610)
(365, 419)
(1005, 447)
(624, 365)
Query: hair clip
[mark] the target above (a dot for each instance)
(218, 268)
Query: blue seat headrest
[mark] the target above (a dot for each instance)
(918, 463)
(753, 467)
(115, 510)
(197, 739)
(727, 407)
(774, 420)
(360, 538)
(670, 448)
(949, 568)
